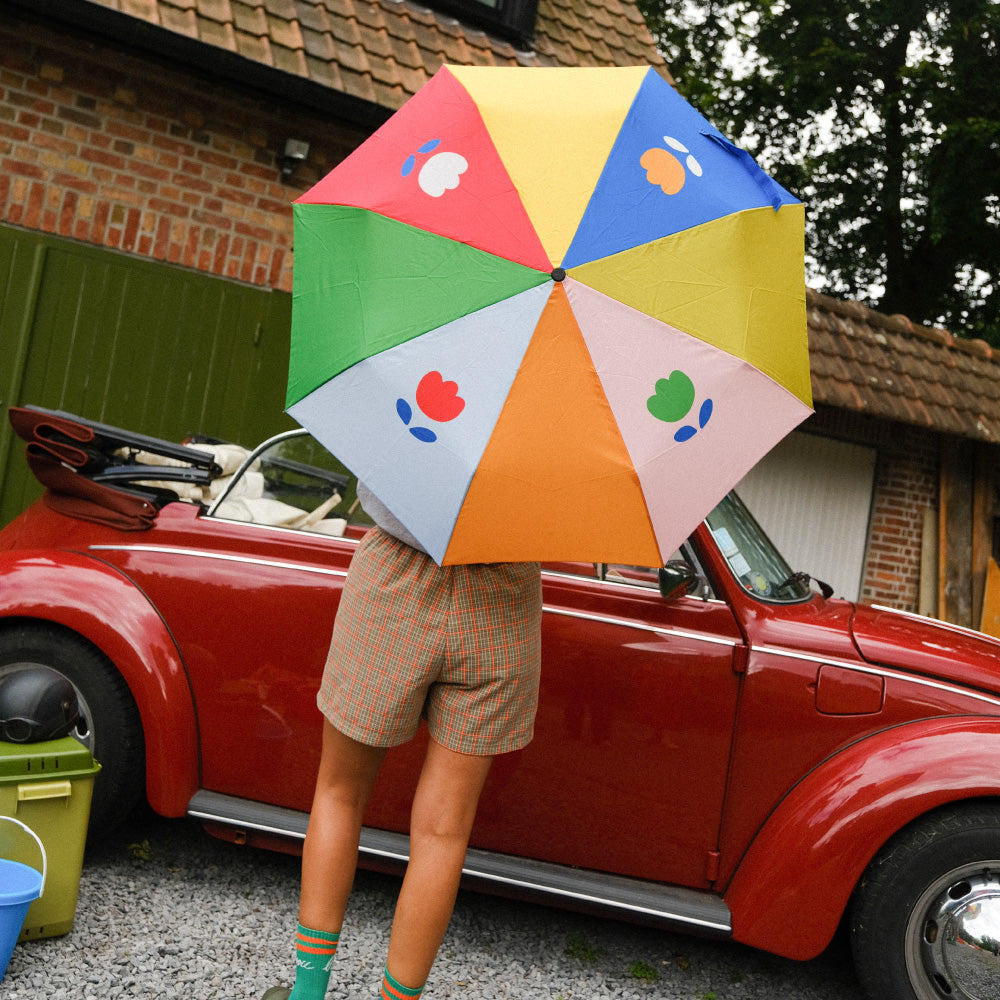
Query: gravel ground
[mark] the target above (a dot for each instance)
(166, 911)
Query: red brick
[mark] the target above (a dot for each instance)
(159, 250)
(81, 184)
(21, 169)
(36, 199)
(67, 213)
(132, 227)
(221, 249)
(104, 158)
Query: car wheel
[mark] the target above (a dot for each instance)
(925, 920)
(109, 724)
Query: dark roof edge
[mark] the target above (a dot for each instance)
(898, 323)
(206, 60)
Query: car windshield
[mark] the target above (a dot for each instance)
(753, 560)
(292, 481)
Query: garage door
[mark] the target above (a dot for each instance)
(813, 497)
(157, 349)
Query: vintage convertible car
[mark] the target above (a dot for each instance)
(719, 747)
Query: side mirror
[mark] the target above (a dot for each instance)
(677, 578)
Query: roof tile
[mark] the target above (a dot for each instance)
(183, 22)
(249, 17)
(215, 10)
(318, 45)
(217, 33)
(890, 367)
(298, 35)
(146, 10)
(284, 33)
(375, 41)
(314, 16)
(354, 59)
(289, 60)
(325, 71)
(255, 47)
(282, 9)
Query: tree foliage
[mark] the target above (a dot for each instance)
(884, 117)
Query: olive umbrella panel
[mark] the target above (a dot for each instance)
(548, 314)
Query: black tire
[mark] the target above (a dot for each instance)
(913, 898)
(109, 724)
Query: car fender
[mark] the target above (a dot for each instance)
(97, 602)
(794, 882)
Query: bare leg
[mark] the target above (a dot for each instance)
(347, 773)
(444, 807)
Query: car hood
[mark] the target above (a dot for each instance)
(925, 646)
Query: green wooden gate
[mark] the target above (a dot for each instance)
(150, 347)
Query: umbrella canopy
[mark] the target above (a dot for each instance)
(548, 314)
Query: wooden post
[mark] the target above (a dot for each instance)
(982, 527)
(955, 542)
(928, 598)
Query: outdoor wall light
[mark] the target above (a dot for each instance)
(294, 153)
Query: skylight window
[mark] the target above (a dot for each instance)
(510, 19)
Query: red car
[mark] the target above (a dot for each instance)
(719, 747)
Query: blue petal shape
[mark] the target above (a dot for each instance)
(428, 146)
(423, 434)
(685, 433)
(404, 410)
(408, 165)
(705, 414)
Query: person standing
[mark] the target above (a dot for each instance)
(458, 646)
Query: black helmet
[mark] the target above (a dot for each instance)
(36, 703)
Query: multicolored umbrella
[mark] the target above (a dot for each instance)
(548, 314)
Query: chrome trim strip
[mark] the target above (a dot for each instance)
(643, 626)
(674, 905)
(878, 671)
(326, 571)
(949, 626)
(222, 556)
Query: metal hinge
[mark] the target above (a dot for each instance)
(741, 657)
(712, 866)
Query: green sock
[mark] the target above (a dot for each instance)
(314, 951)
(392, 990)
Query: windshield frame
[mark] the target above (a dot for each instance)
(753, 561)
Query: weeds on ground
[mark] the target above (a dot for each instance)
(140, 851)
(643, 971)
(578, 948)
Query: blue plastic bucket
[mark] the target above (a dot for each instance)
(20, 886)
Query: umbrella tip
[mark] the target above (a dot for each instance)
(558, 274)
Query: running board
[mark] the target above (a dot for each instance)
(574, 888)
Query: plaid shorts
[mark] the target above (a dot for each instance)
(458, 645)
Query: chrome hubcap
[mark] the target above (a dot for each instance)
(953, 936)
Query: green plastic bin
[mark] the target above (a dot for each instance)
(47, 787)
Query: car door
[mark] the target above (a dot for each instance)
(251, 609)
(627, 769)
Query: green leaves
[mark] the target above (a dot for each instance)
(884, 117)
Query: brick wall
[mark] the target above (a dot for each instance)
(906, 485)
(110, 149)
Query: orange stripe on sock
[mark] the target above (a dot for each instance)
(317, 951)
(307, 939)
(389, 993)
